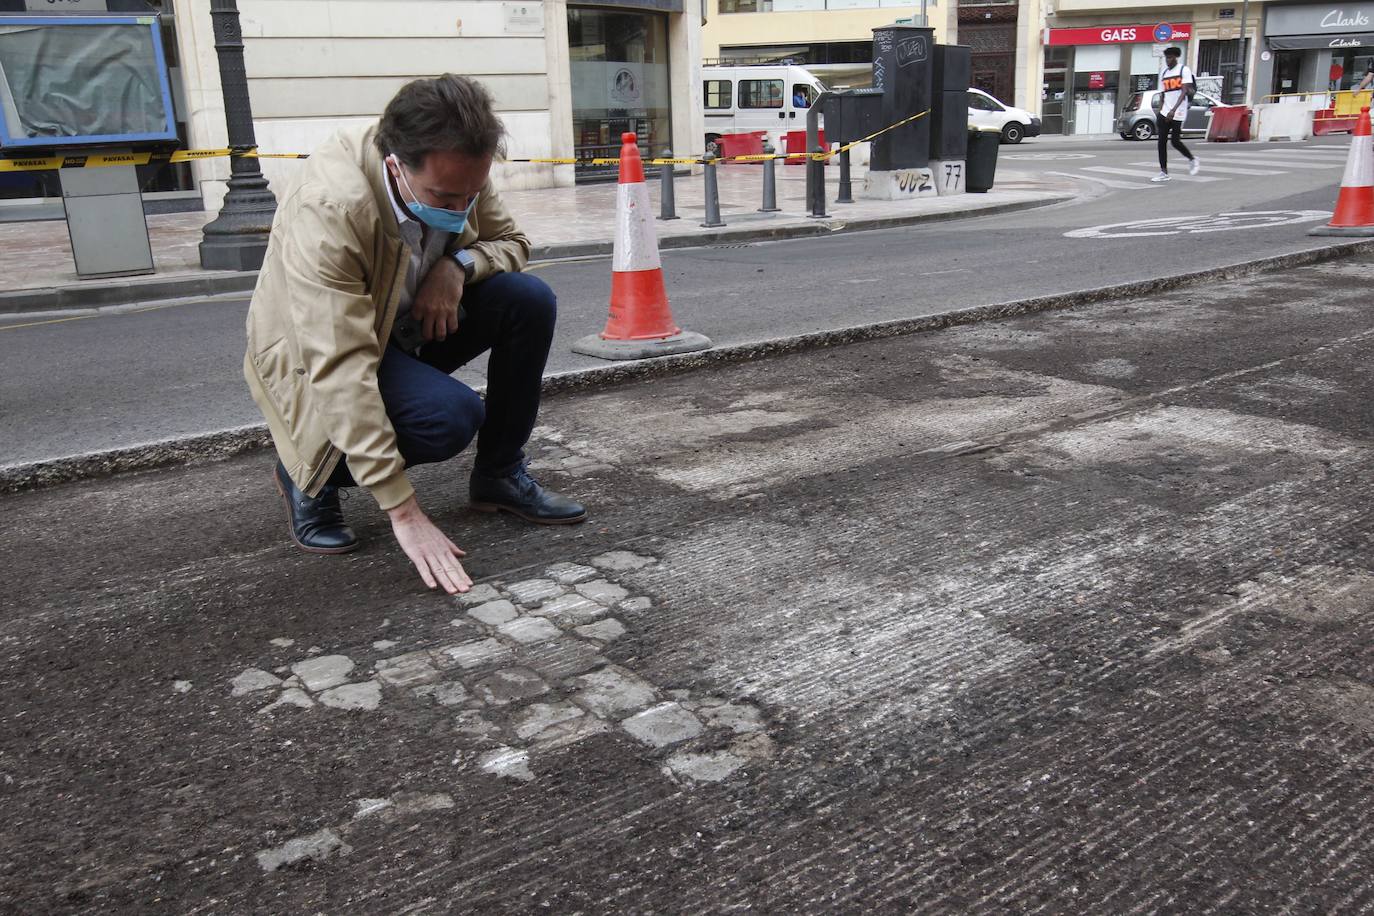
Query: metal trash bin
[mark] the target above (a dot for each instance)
(980, 168)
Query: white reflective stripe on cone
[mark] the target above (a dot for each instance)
(636, 246)
(1359, 168)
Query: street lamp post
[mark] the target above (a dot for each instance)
(237, 238)
(1244, 53)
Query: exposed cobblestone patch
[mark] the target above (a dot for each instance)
(526, 677)
(621, 561)
(317, 846)
(603, 630)
(367, 695)
(550, 451)
(323, 672)
(527, 630)
(663, 725)
(494, 613)
(253, 680)
(602, 592)
(534, 591)
(571, 573)
(332, 841)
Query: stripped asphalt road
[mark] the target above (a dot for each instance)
(1066, 613)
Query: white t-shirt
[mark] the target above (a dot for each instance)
(1172, 81)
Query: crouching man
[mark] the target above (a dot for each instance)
(392, 262)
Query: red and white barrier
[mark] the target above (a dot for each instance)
(641, 323)
(1354, 214)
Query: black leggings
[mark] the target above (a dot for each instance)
(1168, 128)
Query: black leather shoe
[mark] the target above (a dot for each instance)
(317, 525)
(520, 495)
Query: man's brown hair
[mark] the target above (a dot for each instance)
(448, 113)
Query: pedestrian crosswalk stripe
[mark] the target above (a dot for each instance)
(1286, 163)
(1318, 152)
(1109, 182)
(1207, 166)
(1136, 173)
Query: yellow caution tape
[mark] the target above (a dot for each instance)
(105, 160)
(190, 155)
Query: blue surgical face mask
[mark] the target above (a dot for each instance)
(435, 217)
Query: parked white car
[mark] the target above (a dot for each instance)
(750, 97)
(1014, 123)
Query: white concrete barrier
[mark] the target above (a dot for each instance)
(1283, 121)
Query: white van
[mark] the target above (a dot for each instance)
(748, 97)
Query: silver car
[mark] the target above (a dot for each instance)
(1137, 121)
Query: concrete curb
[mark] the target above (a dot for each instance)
(93, 295)
(217, 446)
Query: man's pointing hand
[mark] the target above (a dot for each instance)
(434, 555)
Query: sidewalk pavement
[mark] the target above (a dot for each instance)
(37, 272)
(1066, 614)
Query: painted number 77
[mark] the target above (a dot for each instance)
(954, 172)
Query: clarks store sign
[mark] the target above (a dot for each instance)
(1348, 18)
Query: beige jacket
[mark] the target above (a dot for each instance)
(323, 308)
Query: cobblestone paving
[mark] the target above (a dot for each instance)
(523, 672)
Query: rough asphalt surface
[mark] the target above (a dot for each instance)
(1064, 614)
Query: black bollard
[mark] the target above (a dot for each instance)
(770, 181)
(713, 219)
(846, 189)
(667, 200)
(816, 185)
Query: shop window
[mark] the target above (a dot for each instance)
(717, 93)
(760, 93)
(619, 64)
(1223, 59)
(746, 6)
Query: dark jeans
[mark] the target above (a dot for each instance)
(1168, 128)
(436, 416)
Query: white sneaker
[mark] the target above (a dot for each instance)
(1162, 176)
(1194, 165)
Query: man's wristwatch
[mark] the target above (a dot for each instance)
(467, 262)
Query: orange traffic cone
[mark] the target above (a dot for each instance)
(1354, 214)
(641, 323)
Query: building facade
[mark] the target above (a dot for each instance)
(1315, 47)
(568, 79)
(1096, 54)
(831, 38)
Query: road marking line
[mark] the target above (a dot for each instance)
(1208, 167)
(1289, 153)
(1109, 182)
(34, 324)
(1146, 176)
(1256, 159)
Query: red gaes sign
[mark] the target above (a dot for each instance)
(1116, 34)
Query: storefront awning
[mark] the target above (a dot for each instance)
(1304, 42)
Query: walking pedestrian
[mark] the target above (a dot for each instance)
(392, 262)
(1176, 86)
